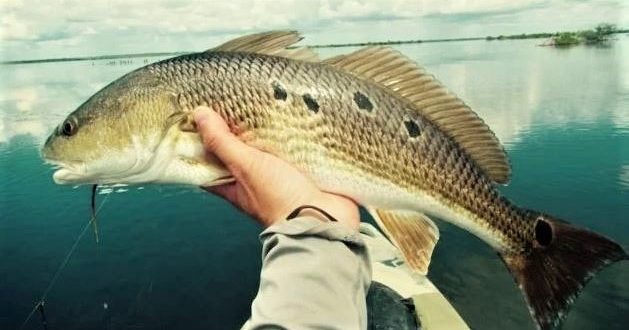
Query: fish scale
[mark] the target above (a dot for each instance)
(371, 125)
(369, 140)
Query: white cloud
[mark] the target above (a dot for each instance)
(25, 99)
(467, 6)
(12, 28)
(56, 28)
(33, 125)
(30, 127)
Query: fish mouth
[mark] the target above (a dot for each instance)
(68, 172)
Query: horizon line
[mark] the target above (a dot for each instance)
(338, 45)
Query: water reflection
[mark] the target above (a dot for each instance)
(623, 178)
(522, 86)
(35, 98)
(562, 115)
(513, 88)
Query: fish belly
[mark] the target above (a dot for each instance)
(372, 191)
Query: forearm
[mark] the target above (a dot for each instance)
(315, 274)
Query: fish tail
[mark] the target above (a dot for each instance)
(560, 261)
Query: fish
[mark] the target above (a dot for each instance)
(371, 125)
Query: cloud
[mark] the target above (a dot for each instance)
(56, 35)
(25, 98)
(34, 127)
(34, 99)
(56, 28)
(14, 28)
(19, 113)
(30, 127)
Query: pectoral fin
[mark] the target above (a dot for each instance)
(414, 234)
(184, 120)
(187, 124)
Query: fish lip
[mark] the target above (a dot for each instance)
(65, 176)
(67, 172)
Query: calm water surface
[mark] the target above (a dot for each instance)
(173, 257)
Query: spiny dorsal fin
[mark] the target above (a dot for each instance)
(270, 43)
(414, 234)
(391, 69)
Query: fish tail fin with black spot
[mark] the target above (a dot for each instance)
(559, 263)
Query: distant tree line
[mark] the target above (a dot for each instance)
(599, 34)
(521, 36)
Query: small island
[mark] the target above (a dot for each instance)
(602, 33)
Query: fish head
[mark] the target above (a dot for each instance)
(113, 135)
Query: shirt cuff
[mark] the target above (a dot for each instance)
(312, 226)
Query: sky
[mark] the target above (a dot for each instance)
(35, 29)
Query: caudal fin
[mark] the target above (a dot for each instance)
(561, 260)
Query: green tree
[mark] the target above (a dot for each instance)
(606, 29)
(566, 39)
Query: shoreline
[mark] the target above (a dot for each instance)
(358, 44)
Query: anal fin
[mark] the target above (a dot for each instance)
(413, 233)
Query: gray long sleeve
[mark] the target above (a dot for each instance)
(315, 275)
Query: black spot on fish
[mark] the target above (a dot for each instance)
(311, 103)
(412, 128)
(278, 92)
(543, 232)
(362, 101)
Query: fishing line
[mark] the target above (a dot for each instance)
(93, 204)
(40, 303)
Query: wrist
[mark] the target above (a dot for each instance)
(313, 211)
(339, 208)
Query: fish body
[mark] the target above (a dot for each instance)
(364, 131)
(367, 154)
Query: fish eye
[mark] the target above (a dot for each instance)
(69, 127)
(543, 232)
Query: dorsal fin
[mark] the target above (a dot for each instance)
(270, 43)
(391, 69)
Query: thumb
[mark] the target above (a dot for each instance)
(219, 140)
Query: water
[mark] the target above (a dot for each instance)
(175, 257)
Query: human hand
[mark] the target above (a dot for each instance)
(265, 187)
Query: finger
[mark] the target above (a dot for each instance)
(219, 140)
